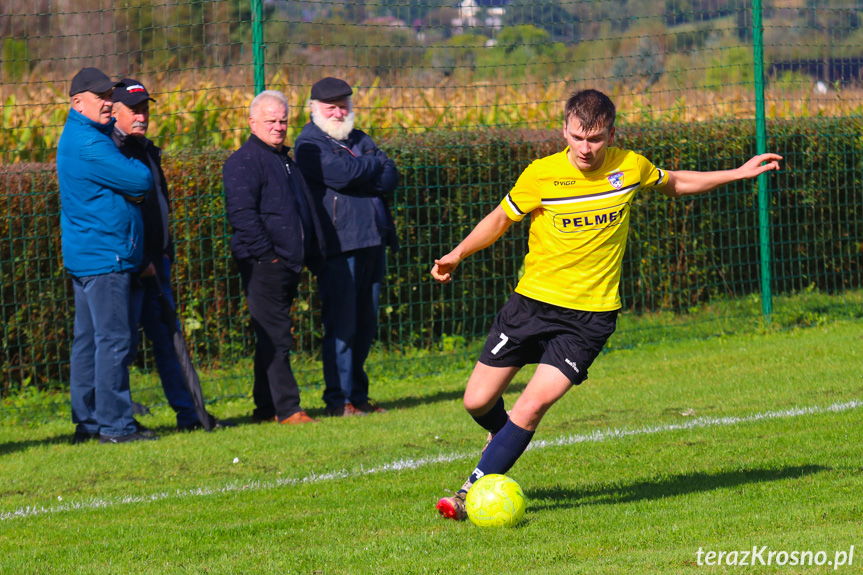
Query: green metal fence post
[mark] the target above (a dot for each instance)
(258, 45)
(761, 147)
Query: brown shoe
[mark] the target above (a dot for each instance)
(297, 418)
(267, 420)
(345, 410)
(369, 406)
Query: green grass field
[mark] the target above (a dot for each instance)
(721, 445)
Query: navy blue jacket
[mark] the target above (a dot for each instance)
(268, 202)
(146, 152)
(350, 181)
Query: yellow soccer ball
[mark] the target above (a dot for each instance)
(495, 501)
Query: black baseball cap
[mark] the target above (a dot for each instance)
(91, 80)
(330, 89)
(131, 92)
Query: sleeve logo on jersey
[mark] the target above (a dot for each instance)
(616, 180)
(590, 220)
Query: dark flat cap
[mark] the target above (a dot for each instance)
(131, 93)
(330, 89)
(91, 80)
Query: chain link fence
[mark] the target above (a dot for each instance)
(463, 95)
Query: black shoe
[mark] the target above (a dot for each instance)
(127, 438)
(138, 409)
(144, 431)
(215, 423)
(84, 437)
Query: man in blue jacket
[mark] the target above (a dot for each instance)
(100, 219)
(350, 178)
(275, 233)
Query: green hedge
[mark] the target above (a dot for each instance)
(681, 254)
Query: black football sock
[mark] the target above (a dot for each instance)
(494, 420)
(502, 453)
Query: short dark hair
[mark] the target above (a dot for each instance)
(592, 108)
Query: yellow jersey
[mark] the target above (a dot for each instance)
(578, 227)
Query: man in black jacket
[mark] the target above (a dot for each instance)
(350, 178)
(132, 113)
(275, 233)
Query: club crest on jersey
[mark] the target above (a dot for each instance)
(616, 180)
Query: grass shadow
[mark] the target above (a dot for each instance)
(412, 401)
(443, 395)
(698, 482)
(163, 430)
(13, 446)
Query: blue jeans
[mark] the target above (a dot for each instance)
(101, 402)
(350, 287)
(145, 306)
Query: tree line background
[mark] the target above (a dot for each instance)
(429, 39)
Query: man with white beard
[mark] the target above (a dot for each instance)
(350, 179)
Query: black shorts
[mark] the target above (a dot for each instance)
(529, 331)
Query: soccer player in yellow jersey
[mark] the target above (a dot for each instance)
(565, 306)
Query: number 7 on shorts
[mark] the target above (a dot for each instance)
(499, 346)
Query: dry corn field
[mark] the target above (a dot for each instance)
(198, 113)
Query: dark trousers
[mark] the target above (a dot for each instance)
(270, 291)
(350, 287)
(145, 307)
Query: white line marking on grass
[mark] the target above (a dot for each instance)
(697, 423)
(401, 464)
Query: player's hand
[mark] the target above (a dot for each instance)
(443, 268)
(757, 166)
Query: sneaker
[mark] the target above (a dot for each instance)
(127, 438)
(346, 410)
(215, 423)
(298, 418)
(453, 507)
(370, 406)
(84, 436)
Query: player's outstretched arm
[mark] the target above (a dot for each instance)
(486, 232)
(687, 183)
